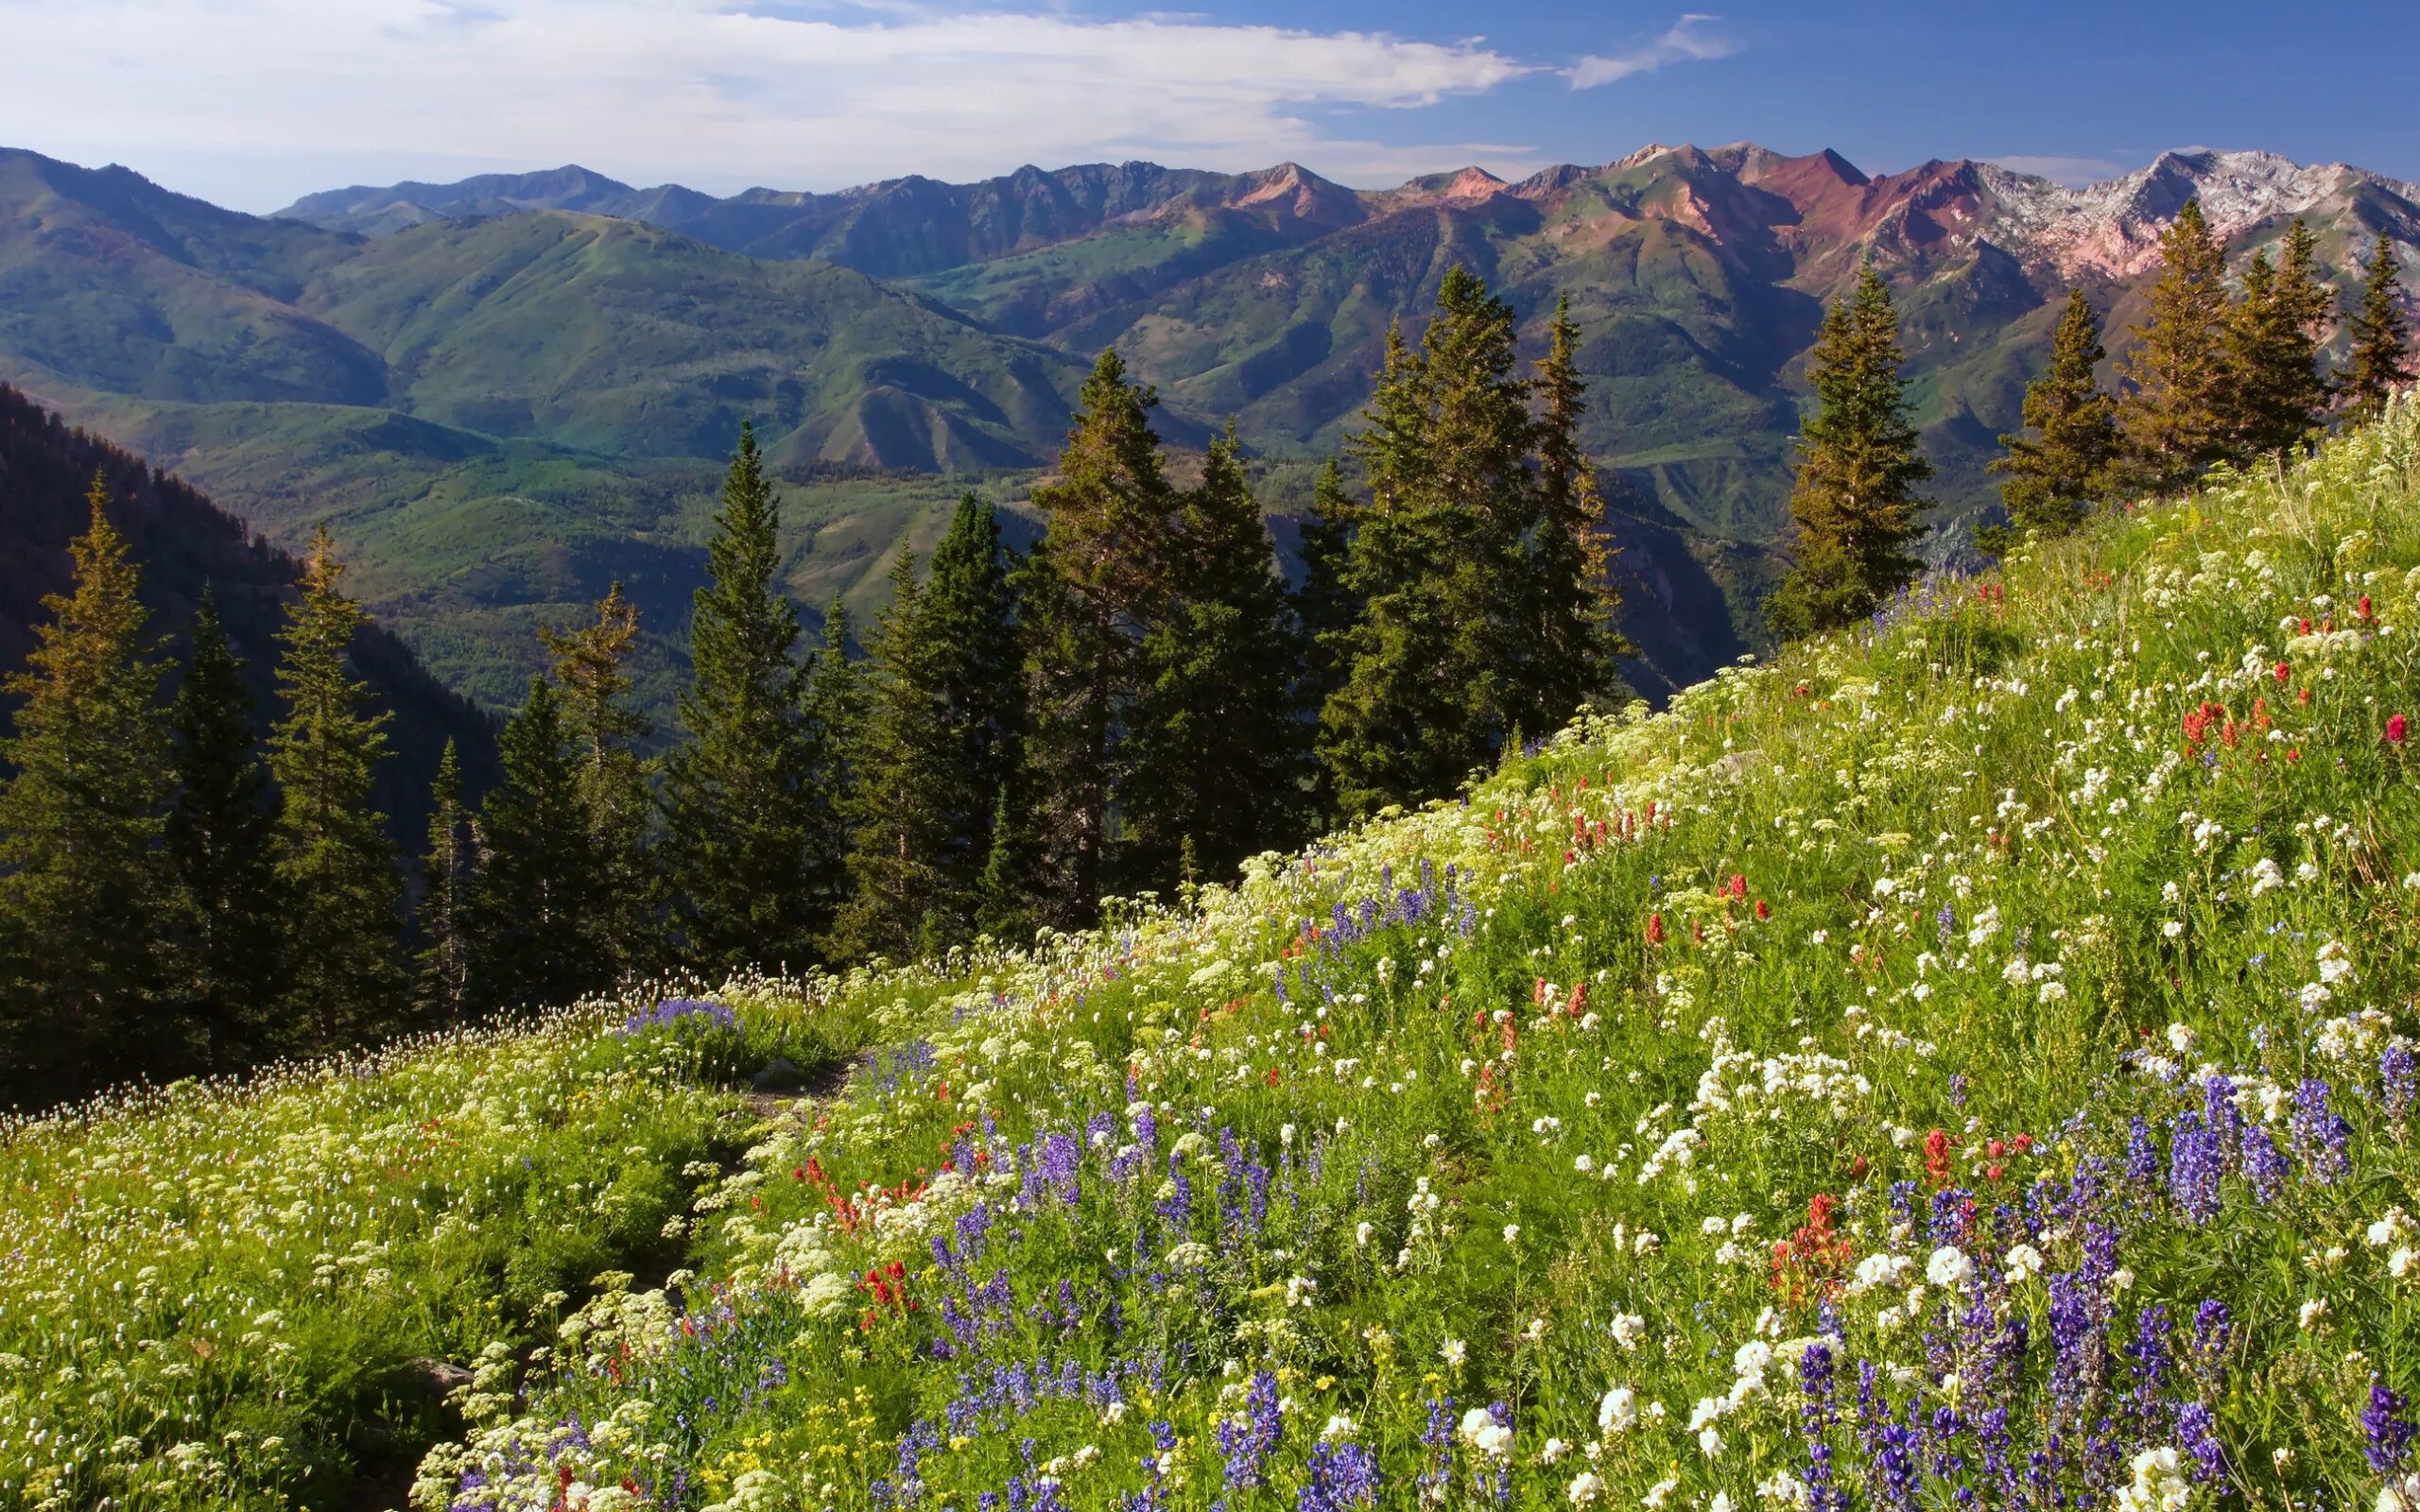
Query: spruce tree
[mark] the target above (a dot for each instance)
(837, 701)
(1435, 668)
(2274, 394)
(1003, 909)
(87, 894)
(1218, 751)
(896, 805)
(335, 868)
(937, 751)
(2056, 478)
(219, 839)
(1090, 590)
(533, 917)
(448, 871)
(591, 667)
(736, 806)
(1854, 501)
(2380, 359)
(2175, 413)
(1573, 594)
(1325, 610)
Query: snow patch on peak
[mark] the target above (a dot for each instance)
(2113, 227)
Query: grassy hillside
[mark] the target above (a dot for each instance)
(1966, 1056)
(1969, 1056)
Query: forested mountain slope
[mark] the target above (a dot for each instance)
(184, 544)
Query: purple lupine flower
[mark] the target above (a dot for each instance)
(2142, 1155)
(2264, 1164)
(2195, 1161)
(2387, 1434)
(2224, 1119)
(2399, 1079)
(2320, 1136)
(682, 1013)
(2150, 1357)
(2197, 1434)
(1341, 1476)
(1246, 1437)
(2213, 1332)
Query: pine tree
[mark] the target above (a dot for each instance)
(937, 749)
(335, 868)
(1090, 590)
(1575, 600)
(736, 805)
(896, 807)
(2055, 480)
(837, 701)
(591, 665)
(219, 839)
(1325, 610)
(1434, 667)
(87, 893)
(533, 917)
(448, 872)
(2275, 393)
(1855, 500)
(2380, 361)
(1218, 755)
(1003, 910)
(2175, 415)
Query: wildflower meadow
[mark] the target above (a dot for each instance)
(1964, 1062)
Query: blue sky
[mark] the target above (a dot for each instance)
(253, 102)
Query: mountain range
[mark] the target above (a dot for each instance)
(507, 390)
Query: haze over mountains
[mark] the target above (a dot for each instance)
(507, 390)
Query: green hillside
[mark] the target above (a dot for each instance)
(1967, 1061)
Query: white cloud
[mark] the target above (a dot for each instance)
(716, 94)
(1687, 40)
(2072, 172)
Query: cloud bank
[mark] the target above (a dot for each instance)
(702, 91)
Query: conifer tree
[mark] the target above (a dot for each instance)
(2056, 478)
(335, 868)
(838, 700)
(533, 915)
(1089, 592)
(2380, 360)
(896, 806)
(87, 891)
(1218, 755)
(736, 806)
(1324, 609)
(1002, 908)
(591, 665)
(2275, 393)
(937, 749)
(447, 872)
(1575, 600)
(218, 842)
(1854, 501)
(1435, 667)
(2175, 414)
